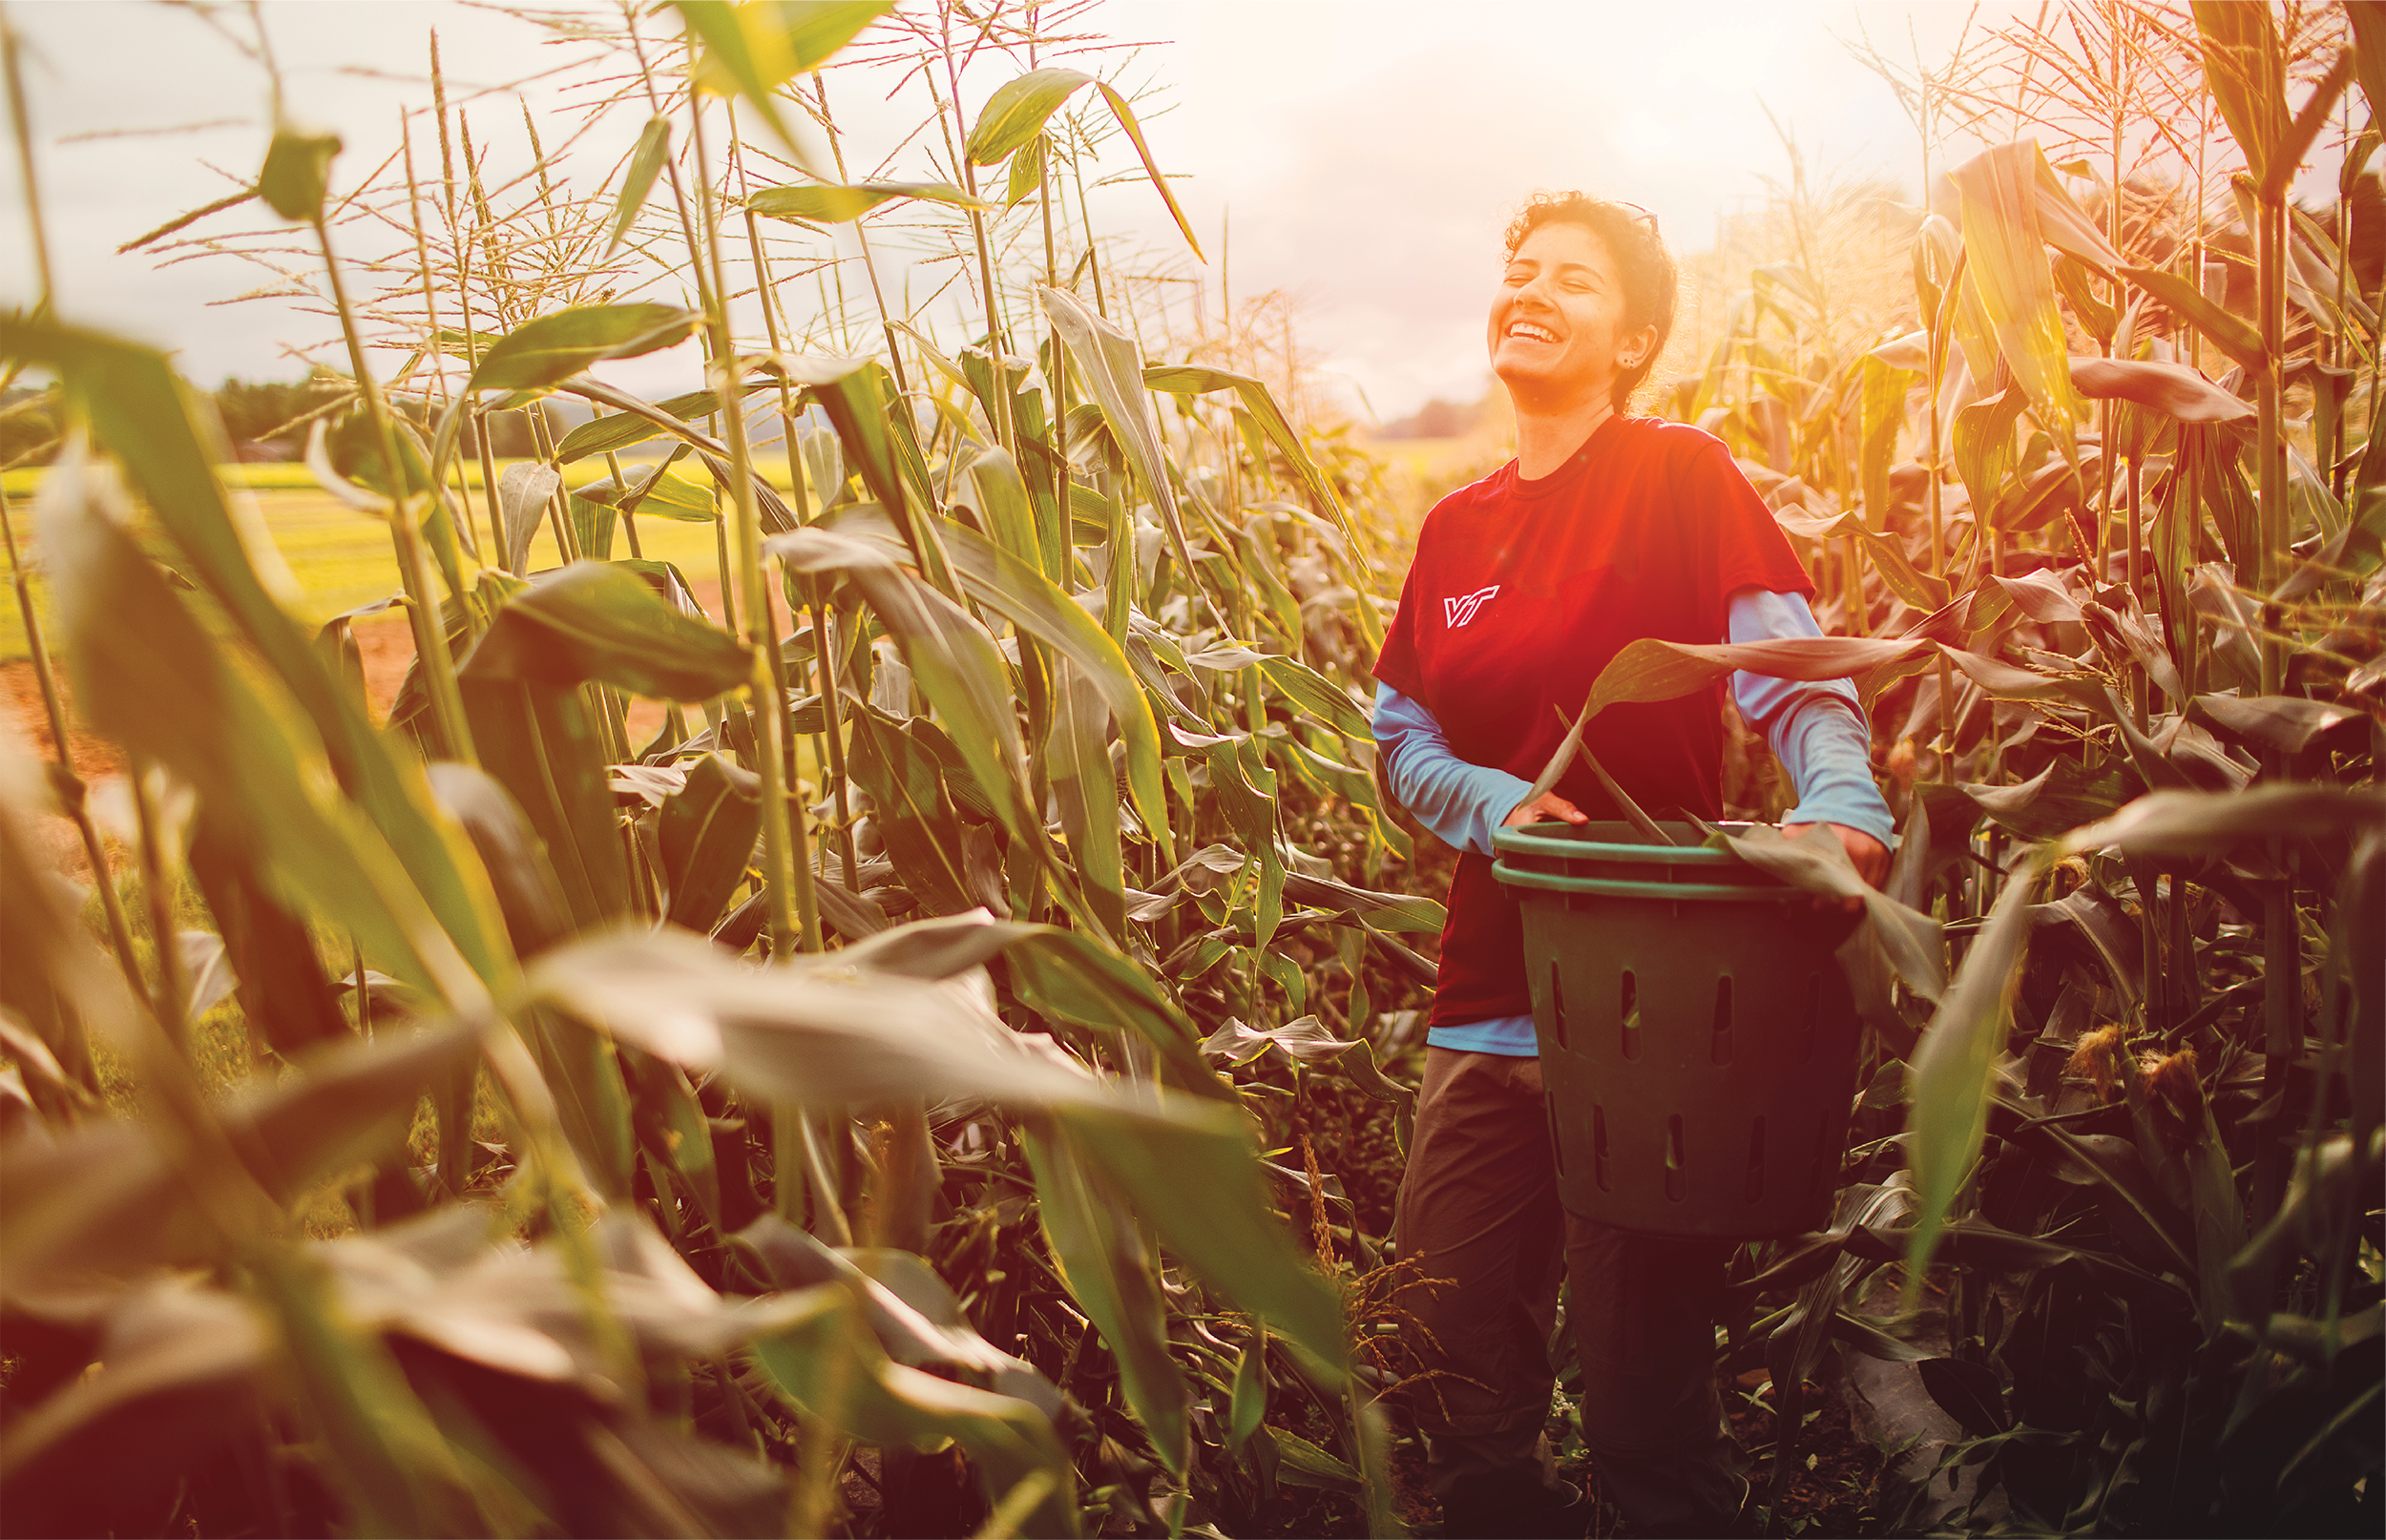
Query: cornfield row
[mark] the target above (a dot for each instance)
(937, 1082)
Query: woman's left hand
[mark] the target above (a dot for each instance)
(1869, 856)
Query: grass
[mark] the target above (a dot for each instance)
(343, 558)
(291, 476)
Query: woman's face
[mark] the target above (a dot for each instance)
(1558, 328)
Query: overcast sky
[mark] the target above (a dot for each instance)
(1367, 152)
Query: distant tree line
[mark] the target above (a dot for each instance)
(1436, 419)
(263, 420)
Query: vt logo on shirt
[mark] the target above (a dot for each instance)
(1458, 612)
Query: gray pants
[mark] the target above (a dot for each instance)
(1478, 1207)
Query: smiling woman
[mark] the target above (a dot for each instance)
(1583, 308)
(1605, 530)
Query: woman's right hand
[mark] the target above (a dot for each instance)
(1539, 809)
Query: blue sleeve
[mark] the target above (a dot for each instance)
(1816, 728)
(1460, 802)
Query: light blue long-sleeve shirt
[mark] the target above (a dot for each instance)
(1816, 729)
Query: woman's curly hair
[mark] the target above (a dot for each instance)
(1652, 281)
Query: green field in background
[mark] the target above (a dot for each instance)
(343, 559)
(286, 476)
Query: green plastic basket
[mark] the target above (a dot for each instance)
(1698, 1040)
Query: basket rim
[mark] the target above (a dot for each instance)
(1620, 887)
(1529, 840)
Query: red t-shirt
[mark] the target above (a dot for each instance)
(1522, 592)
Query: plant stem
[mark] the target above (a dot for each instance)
(784, 865)
(1000, 406)
(2271, 444)
(860, 236)
(422, 604)
(796, 481)
(438, 353)
(21, 122)
(72, 788)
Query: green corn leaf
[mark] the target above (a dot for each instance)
(2005, 190)
(1001, 498)
(282, 986)
(2096, 315)
(296, 174)
(652, 492)
(525, 489)
(1319, 697)
(1303, 1464)
(596, 621)
(646, 158)
(544, 747)
(854, 393)
(2369, 59)
(1307, 1041)
(589, 622)
(536, 915)
(809, 1032)
(540, 354)
(1190, 379)
(1884, 412)
(959, 668)
(1012, 588)
(69, 1464)
(673, 1131)
(1986, 453)
(1887, 551)
(817, 31)
(1070, 979)
(1018, 111)
(2245, 72)
(1956, 1058)
(1125, 115)
(1817, 863)
(824, 466)
(706, 833)
(1027, 171)
(748, 52)
(825, 1032)
(824, 1359)
(1078, 758)
(2357, 957)
(1113, 367)
(1248, 1408)
(915, 1316)
(2186, 824)
(1113, 1275)
(836, 203)
(620, 430)
(923, 833)
(2234, 335)
(110, 1200)
(578, 1066)
(2178, 391)
(2058, 797)
(1653, 670)
(1194, 1181)
(592, 527)
(593, 1101)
